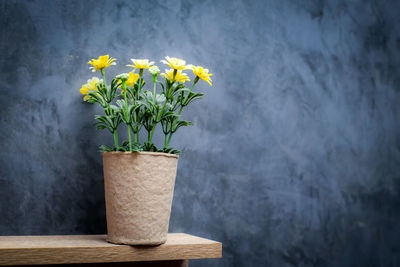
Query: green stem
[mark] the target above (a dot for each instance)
(169, 140)
(174, 124)
(149, 137)
(162, 110)
(129, 137)
(135, 133)
(127, 115)
(116, 140)
(172, 83)
(191, 88)
(180, 110)
(166, 144)
(154, 102)
(152, 132)
(104, 77)
(140, 80)
(174, 75)
(165, 141)
(154, 91)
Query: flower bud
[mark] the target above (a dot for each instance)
(123, 77)
(154, 70)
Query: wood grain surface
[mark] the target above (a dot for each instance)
(32, 250)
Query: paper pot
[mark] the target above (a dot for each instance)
(139, 187)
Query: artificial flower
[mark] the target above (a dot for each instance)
(141, 63)
(179, 76)
(101, 63)
(154, 70)
(89, 86)
(176, 63)
(132, 79)
(202, 73)
(122, 76)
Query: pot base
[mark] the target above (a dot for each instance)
(123, 241)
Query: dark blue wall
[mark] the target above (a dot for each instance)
(294, 159)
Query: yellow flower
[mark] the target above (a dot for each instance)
(133, 77)
(90, 85)
(179, 77)
(202, 73)
(176, 63)
(141, 63)
(101, 63)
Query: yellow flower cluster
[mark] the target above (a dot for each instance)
(133, 77)
(89, 86)
(176, 63)
(128, 100)
(174, 74)
(141, 63)
(101, 63)
(180, 65)
(179, 76)
(202, 73)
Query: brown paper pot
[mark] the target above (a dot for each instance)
(139, 187)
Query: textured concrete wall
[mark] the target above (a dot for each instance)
(294, 159)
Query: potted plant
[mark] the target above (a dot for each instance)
(139, 176)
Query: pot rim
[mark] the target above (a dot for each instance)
(128, 153)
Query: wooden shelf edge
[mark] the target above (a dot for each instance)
(33, 250)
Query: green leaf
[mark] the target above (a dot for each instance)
(149, 147)
(125, 143)
(114, 84)
(160, 98)
(163, 87)
(180, 124)
(114, 107)
(120, 103)
(169, 150)
(191, 97)
(100, 127)
(104, 148)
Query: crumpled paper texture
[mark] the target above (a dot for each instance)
(139, 188)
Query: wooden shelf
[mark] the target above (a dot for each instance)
(71, 249)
